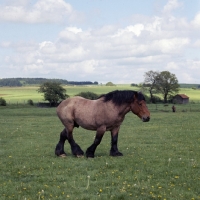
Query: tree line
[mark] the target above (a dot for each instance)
(18, 82)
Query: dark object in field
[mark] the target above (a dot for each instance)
(104, 114)
(173, 108)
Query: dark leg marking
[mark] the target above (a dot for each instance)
(114, 150)
(90, 150)
(60, 146)
(76, 149)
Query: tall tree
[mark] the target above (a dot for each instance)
(150, 81)
(53, 92)
(167, 84)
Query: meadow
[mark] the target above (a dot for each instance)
(14, 95)
(161, 158)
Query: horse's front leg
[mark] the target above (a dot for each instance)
(114, 140)
(90, 150)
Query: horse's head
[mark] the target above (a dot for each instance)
(139, 108)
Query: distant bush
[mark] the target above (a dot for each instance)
(30, 102)
(2, 102)
(88, 95)
(110, 84)
(156, 99)
(134, 85)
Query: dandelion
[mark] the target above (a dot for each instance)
(100, 190)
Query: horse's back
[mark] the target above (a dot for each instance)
(75, 106)
(89, 114)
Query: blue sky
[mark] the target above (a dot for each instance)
(100, 40)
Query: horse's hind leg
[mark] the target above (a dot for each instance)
(60, 146)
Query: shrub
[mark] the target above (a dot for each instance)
(88, 95)
(156, 99)
(30, 102)
(2, 102)
(110, 84)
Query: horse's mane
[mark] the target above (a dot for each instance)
(120, 97)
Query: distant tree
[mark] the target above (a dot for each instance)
(134, 85)
(150, 83)
(53, 92)
(167, 84)
(10, 82)
(163, 82)
(110, 84)
(2, 102)
(30, 102)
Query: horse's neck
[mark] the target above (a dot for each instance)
(125, 109)
(122, 110)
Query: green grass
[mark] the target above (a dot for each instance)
(22, 94)
(161, 158)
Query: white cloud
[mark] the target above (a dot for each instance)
(108, 53)
(196, 21)
(172, 66)
(171, 5)
(42, 11)
(172, 45)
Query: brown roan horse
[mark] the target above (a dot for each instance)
(104, 114)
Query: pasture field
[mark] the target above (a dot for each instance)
(22, 94)
(161, 158)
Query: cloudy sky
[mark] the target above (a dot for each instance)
(100, 40)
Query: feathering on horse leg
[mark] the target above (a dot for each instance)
(114, 149)
(76, 149)
(90, 150)
(59, 151)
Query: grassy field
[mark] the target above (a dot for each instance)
(161, 158)
(22, 94)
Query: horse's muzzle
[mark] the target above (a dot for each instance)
(145, 119)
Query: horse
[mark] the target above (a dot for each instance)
(103, 114)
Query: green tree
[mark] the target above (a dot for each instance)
(110, 84)
(2, 102)
(167, 84)
(53, 92)
(163, 82)
(150, 81)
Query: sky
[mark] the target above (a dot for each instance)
(100, 40)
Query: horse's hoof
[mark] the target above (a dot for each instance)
(116, 154)
(90, 157)
(79, 156)
(63, 155)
